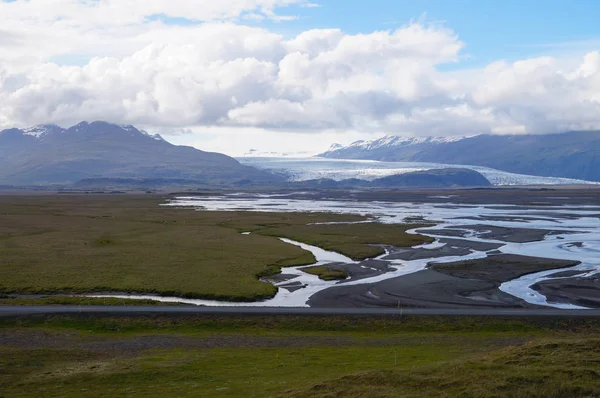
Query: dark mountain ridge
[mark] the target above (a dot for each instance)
(49, 154)
(571, 155)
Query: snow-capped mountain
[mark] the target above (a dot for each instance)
(132, 130)
(389, 141)
(386, 142)
(43, 130)
(567, 155)
(49, 154)
(156, 136)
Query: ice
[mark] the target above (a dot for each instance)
(301, 169)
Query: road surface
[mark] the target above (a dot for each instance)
(189, 310)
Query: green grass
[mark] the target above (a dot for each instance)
(292, 356)
(354, 240)
(218, 372)
(325, 273)
(63, 244)
(72, 300)
(332, 324)
(551, 368)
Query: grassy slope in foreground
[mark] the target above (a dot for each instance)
(286, 356)
(126, 243)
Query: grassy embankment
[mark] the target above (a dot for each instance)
(74, 300)
(63, 244)
(299, 357)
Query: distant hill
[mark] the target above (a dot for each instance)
(436, 178)
(571, 155)
(48, 154)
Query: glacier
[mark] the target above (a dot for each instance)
(302, 169)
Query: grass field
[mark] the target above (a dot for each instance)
(72, 300)
(354, 240)
(57, 244)
(298, 356)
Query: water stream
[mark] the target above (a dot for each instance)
(578, 239)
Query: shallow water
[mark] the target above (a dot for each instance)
(322, 256)
(580, 225)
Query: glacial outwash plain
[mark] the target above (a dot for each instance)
(301, 293)
(299, 199)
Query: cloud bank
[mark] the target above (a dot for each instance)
(173, 65)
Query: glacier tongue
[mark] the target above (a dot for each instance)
(301, 169)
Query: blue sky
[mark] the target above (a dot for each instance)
(491, 29)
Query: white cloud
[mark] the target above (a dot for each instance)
(108, 13)
(225, 76)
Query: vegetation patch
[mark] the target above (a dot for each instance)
(104, 241)
(325, 273)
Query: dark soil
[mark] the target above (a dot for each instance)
(423, 289)
(581, 291)
(499, 268)
(134, 345)
(470, 283)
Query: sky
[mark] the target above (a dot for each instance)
(296, 76)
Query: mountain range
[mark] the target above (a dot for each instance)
(570, 155)
(52, 155)
(101, 155)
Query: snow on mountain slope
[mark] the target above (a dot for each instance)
(390, 141)
(301, 169)
(50, 155)
(570, 154)
(42, 130)
(156, 136)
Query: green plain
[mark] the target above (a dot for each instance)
(64, 244)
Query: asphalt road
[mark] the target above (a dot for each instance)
(189, 310)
